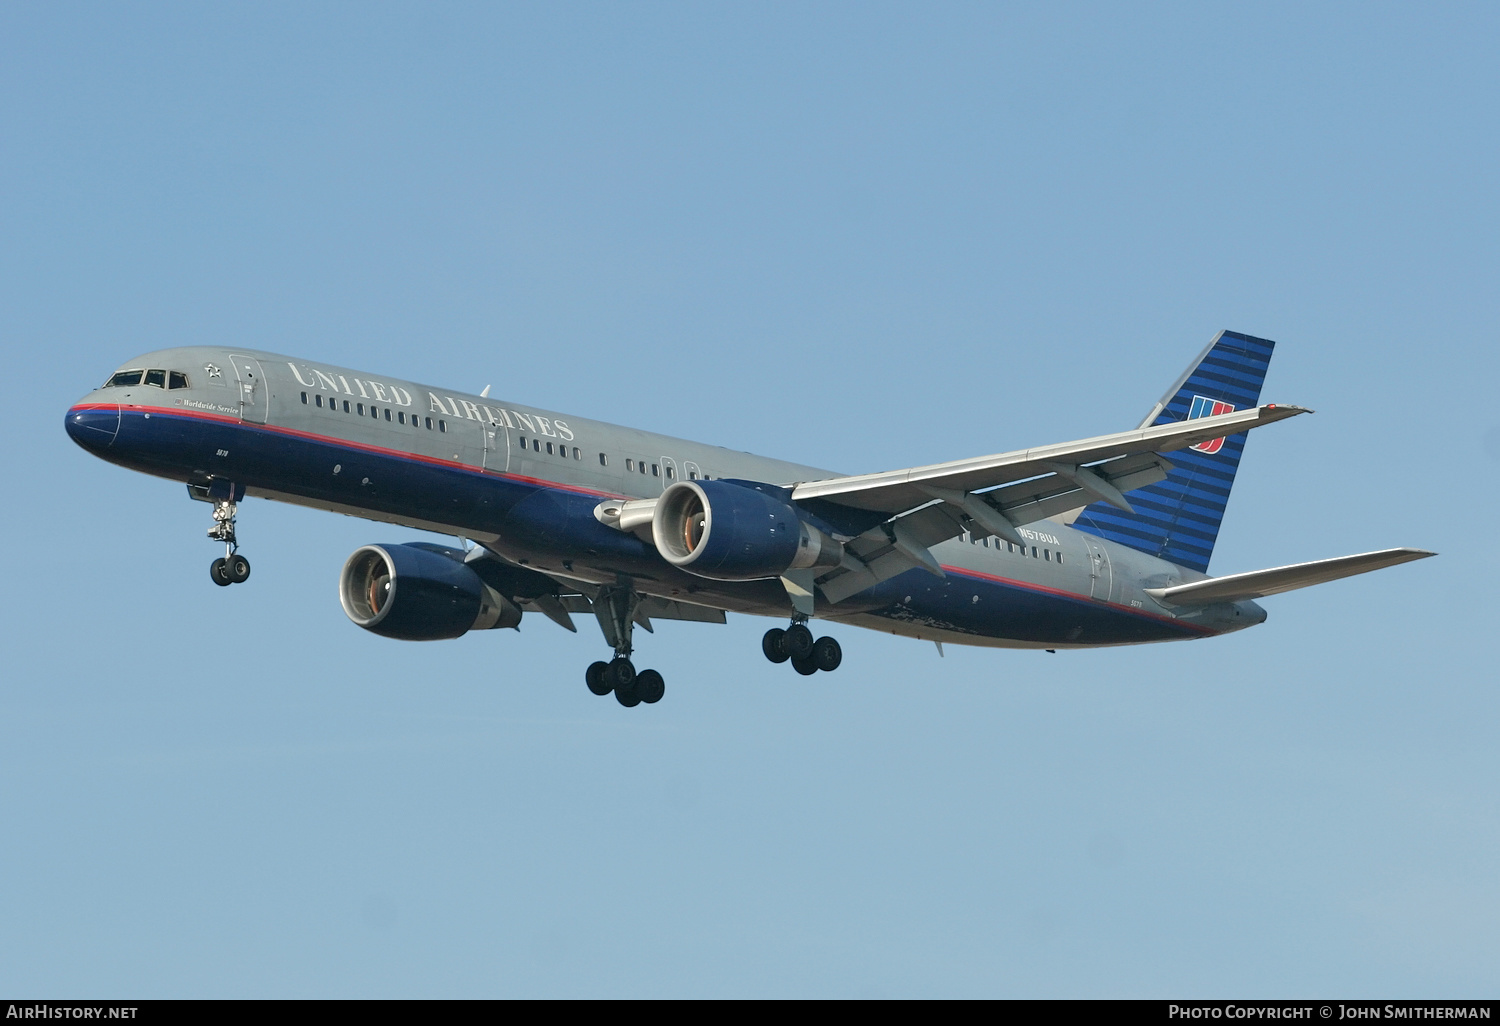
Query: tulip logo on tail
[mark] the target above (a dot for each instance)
(1205, 407)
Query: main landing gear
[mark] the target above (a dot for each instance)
(797, 645)
(630, 688)
(233, 568)
(616, 609)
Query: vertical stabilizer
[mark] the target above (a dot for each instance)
(1178, 519)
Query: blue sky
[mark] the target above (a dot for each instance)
(860, 236)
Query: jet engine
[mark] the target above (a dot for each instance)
(420, 592)
(729, 532)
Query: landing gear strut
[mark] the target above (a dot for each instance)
(616, 607)
(233, 568)
(796, 644)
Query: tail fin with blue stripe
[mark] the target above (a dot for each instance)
(1178, 519)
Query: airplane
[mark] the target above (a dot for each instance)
(1102, 541)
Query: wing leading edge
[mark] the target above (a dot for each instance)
(895, 491)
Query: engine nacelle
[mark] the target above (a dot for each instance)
(420, 593)
(728, 532)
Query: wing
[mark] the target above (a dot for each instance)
(557, 597)
(578, 597)
(998, 494)
(895, 491)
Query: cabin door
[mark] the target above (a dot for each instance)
(254, 395)
(496, 447)
(1101, 574)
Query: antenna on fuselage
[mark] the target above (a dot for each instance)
(486, 393)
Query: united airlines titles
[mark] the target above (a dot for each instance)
(495, 416)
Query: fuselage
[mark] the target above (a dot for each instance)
(525, 483)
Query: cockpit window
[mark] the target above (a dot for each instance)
(131, 377)
(177, 379)
(157, 378)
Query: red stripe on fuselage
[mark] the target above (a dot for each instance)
(1060, 593)
(220, 418)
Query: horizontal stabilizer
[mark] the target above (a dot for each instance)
(1260, 583)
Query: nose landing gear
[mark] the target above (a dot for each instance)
(233, 568)
(796, 644)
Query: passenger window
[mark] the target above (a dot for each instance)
(692, 475)
(603, 460)
(577, 453)
(655, 470)
(346, 406)
(549, 448)
(1059, 557)
(132, 377)
(177, 379)
(429, 423)
(643, 466)
(669, 472)
(536, 445)
(442, 425)
(361, 408)
(629, 463)
(318, 401)
(304, 398)
(387, 415)
(400, 417)
(157, 378)
(1047, 555)
(1033, 552)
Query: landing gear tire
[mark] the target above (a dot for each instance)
(774, 645)
(597, 676)
(218, 571)
(238, 569)
(799, 641)
(627, 697)
(621, 675)
(649, 687)
(827, 655)
(807, 667)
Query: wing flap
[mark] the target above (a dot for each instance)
(1260, 583)
(1029, 501)
(671, 609)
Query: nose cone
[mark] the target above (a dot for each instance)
(93, 425)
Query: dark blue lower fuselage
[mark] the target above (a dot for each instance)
(552, 527)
